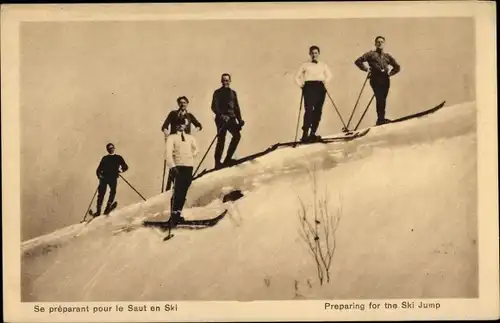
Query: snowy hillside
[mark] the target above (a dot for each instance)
(405, 197)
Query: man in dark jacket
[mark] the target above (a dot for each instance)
(377, 63)
(176, 117)
(107, 172)
(172, 122)
(227, 118)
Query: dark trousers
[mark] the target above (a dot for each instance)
(103, 184)
(314, 98)
(182, 182)
(222, 129)
(170, 179)
(380, 85)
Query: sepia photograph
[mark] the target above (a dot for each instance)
(166, 157)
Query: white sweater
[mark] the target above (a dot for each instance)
(310, 71)
(181, 153)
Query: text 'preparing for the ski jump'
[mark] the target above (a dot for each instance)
(105, 309)
(354, 306)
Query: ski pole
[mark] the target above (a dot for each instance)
(204, 156)
(357, 101)
(171, 214)
(363, 115)
(90, 205)
(209, 147)
(163, 178)
(132, 187)
(298, 118)
(340, 116)
(164, 165)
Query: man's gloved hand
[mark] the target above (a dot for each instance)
(200, 128)
(241, 123)
(174, 171)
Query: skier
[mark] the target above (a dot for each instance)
(181, 150)
(312, 77)
(227, 118)
(107, 172)
(174, 118)
(376, 63)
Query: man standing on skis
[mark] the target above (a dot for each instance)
(376, 63)
(312, 77)
(181, 150)
(227, 118)
(110, 166)
(174, 118)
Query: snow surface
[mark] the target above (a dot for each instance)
(406, 194)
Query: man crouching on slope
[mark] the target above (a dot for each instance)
(181, 150)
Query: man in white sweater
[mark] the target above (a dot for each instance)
(312, 77)
(181, 150)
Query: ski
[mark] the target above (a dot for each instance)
(325, 140)
(345, 137)
(413, 116)
(419, 114)
(185, 224)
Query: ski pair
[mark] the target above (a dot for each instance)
(325, 140)
(183, 224)
(114, 204)
(106, 211)
(95, 215)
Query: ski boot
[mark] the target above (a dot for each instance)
(218, 165)
(305, 136)
(382, 122)
(314, 138)
(109, 208)
(177, 217)
(229, 162)
(96, 214)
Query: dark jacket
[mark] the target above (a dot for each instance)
(379, 63)
(110, 165)
(174, 118)
(225, 102)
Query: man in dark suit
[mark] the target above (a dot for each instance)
(227, 118)
(376, 63)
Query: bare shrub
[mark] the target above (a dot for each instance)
(296, 288)
(317, 228)
(267, 281)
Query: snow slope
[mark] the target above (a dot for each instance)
(406, 194)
